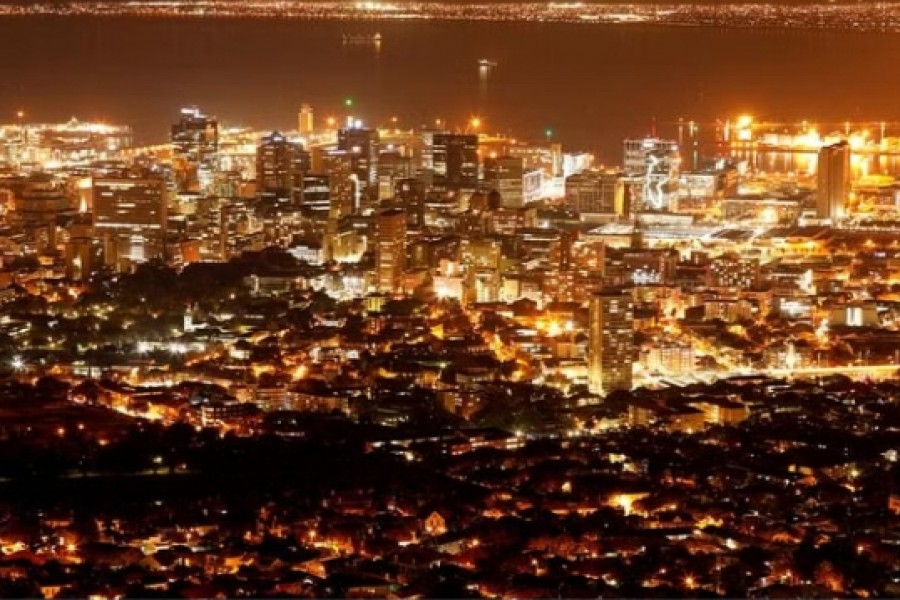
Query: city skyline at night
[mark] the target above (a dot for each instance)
(440, 300)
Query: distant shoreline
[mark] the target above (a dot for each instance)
(881, 17)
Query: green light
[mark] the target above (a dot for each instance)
(348, 102)
(548, 132)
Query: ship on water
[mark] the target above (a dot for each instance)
(361, 39)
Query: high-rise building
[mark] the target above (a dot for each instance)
(279, 169)
(393, 166)
(195, 146)
(316, 197)
(455, 161)
(505, 175)
(611, 343)
(38, 206)
(305, 122)
(343, 184)
(411, 195)
(83, 250)
(130, 216)
(362, 146)
(596, 192)
(833, 181)
(390, 249)
(656, 162)
(195, 137)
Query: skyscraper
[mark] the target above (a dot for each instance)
(362, 146)
(279, 169)
(130, 216)
(343, 184)
(38, 206)
(305, 123)
(505, 175)
(390, 249)
(833, 181)
(611, 344)
(195, 146)
(656, 162)
(316, 197)
(455, 161)
(343, 197)
(410, 195)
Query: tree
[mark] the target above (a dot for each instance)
(51, 389)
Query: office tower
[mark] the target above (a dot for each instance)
(343, 197)
(411, 195)
(344, 189)
(390, 249)
(279, 170)
(130, 217)
(38, 207)
(316, 197)
(596, 192)
(656, 163)
(393, 166)
(305, 123)
(426, 150)
(455, 161)
(561, 250)
(611, 344)
(195, 147)
(83, 250)
(505, 175)
(362, 146)
(833, 181)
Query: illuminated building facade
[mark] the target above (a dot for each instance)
(362, 146)
(390, 249)
(130, 217)
(316, 197)
(83, 251)
(343, 184)
(656, 162)
(733, 271)
(611, 342)
(279, 170)
(833, 181)
(305, 122)
(455, 161)
(505, 175)
(596, 192)
(410, 195)
(195, 146)
(38, 207)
